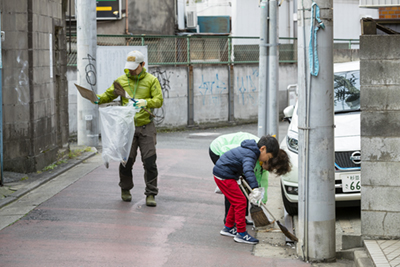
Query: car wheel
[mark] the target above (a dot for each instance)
(291, 208)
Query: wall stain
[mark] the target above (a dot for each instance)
(23, 83)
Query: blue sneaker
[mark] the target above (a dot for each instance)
(228, 232)
(245, 238)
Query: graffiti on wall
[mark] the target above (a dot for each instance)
(164, 78)
(90, 71)
(214, 87)
(247, 86)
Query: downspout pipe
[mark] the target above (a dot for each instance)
(31, 91)
(263, 69)
(273, 71)
(1, 110)
(126, 18)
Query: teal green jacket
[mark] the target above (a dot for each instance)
(142, 86)
(226, 142)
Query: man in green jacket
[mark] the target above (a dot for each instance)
(145, 89)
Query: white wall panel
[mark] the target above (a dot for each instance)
(379, 3)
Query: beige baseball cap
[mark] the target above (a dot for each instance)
(133, 60)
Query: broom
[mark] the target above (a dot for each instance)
(256, 213)
(284, 230)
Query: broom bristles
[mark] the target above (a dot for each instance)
(258, 216)
(286, 232)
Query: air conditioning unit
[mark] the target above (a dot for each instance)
(191, 19)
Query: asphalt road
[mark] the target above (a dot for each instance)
(78, 219)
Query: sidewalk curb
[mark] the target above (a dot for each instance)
(358, 255)
(362, 259)
(46, 178)
(354, 249)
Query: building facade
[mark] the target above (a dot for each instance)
(35, 96)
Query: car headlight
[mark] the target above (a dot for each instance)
(292, 190)
(292, 143)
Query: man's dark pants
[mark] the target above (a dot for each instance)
(145, 140)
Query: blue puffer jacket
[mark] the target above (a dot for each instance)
(239, 161)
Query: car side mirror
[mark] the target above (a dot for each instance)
(288, 113)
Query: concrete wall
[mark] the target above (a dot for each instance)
(35, 100)
(210, 94)
(144, 17)
(173, 80)
(152, 17)
(246, 88)
(210, 86)
(380, 136)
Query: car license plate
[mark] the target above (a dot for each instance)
(351, 182)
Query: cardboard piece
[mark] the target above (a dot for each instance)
(86, 93)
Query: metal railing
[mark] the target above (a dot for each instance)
(195, 49)
(346, 44)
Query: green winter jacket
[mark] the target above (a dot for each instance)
(142, 86)
(226, 142)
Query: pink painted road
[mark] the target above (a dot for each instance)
(87, 224)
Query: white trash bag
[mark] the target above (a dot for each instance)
(117, 130)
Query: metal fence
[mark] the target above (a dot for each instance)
(194, 49)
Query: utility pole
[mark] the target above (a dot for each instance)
(316, 230)
(268, 114)
(263, 70)
(88, 133)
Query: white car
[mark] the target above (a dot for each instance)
(347, 141)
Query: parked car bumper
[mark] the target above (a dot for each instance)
(289, 182)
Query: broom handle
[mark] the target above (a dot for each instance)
(244, 191)
(262, 203)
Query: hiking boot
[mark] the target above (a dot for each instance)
(245, 238)
(228, 232)
(126, 195)
(150, 201)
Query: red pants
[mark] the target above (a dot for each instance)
(237, 211)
